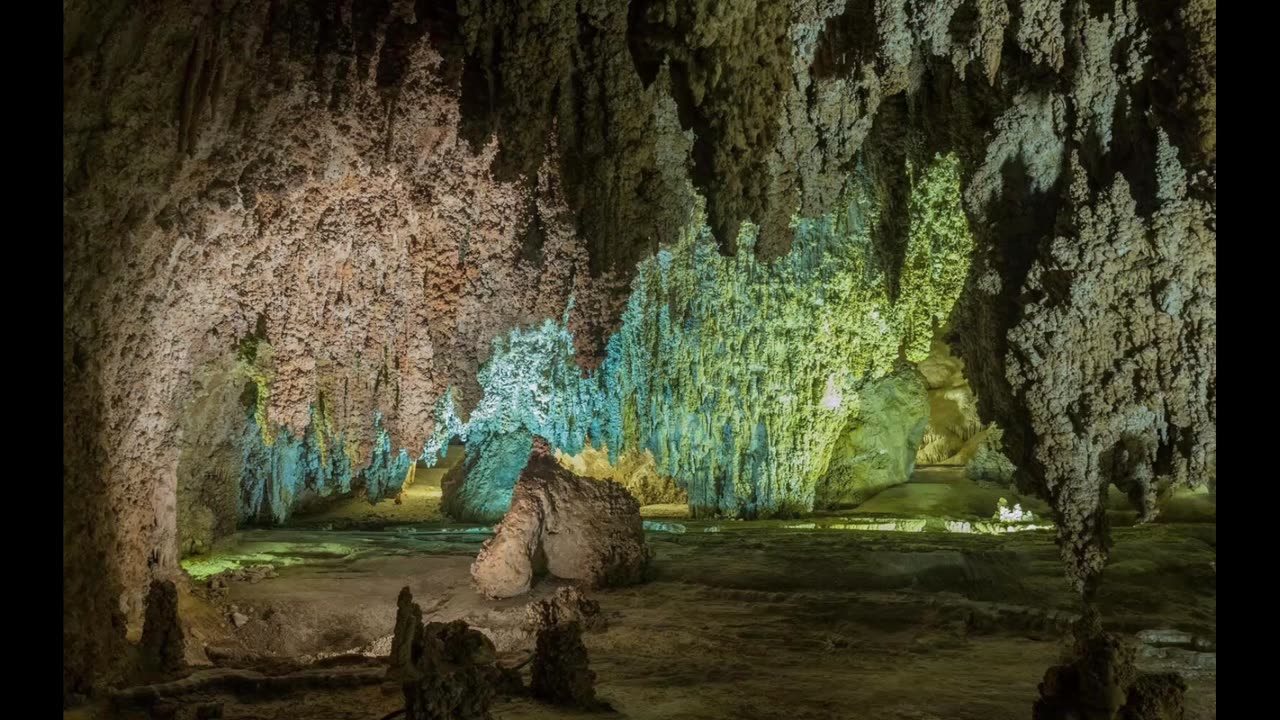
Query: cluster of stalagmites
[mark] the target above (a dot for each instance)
(571, 527)
(450, 671)
(1103, 684)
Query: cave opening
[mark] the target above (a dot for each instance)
(763, 357)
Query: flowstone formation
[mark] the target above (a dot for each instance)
(877, 449)
(571, 527)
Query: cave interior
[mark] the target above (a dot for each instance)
(664, 359)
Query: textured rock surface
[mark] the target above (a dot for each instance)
(572, 527)
(740, 376)
(954, 428)
(569, 604)
(378, 190)
(446, 670)
(989, 463)
(561, 669)
(877, 449)
(163, 644)
(230, 167)
(635, 470)
(1103, 684)
(1125, 364)
(479, 488)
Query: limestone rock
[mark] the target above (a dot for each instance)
(211, 150)
(572, 527)
(163, 643)
(955, 429)
(446, 670)
(634, 470)
(479, 488)
(1103, 684)
(989, 464)
(561, 669)
(569, 604)
(877, 450)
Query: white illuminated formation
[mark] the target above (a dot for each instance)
(1017, 514)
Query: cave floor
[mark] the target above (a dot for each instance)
(740, 619)
(936, 492)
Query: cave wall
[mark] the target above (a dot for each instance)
(386, 187)
(290, 166)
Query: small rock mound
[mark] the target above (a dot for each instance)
(162, 647)
(561, 670)
(1104, 684)
(569, 604)
(573, 527)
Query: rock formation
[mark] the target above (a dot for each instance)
(1103, 684)
(988, 464)
(163, 644)
(730, 370)
(479, 488)
(572, 527)
(877, 449)
(447, 670)
(561, 669)
(569, 604)
(635, 470)
(954, 430)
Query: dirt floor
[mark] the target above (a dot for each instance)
(819, 618)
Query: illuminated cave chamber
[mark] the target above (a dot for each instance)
(729, 253)
(955, 434)
(742, 387)
(759, 388)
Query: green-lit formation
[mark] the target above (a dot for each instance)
(740, 376)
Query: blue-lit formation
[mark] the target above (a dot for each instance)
(276, 476)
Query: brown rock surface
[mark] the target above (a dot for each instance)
(561, 669)
(163, 644)
(571, 527)
(1103, 684)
